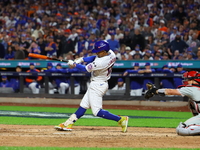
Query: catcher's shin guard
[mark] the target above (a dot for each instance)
(194, 107)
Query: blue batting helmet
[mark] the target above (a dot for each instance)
(101, 46)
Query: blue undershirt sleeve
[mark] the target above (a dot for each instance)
(81, 67)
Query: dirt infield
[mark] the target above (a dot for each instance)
(81, 136)
(46, 136)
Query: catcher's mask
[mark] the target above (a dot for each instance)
(191, 75)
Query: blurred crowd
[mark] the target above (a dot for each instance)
(68, 29)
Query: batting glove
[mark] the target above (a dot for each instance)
(71, 62)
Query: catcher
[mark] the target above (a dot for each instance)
(191, 89)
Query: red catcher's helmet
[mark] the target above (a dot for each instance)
(191, 75)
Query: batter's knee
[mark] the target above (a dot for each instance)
(95, 111)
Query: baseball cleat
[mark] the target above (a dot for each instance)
(62, 127)
(123, 122)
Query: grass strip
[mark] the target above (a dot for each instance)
(176, 117)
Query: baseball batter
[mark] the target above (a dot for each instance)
(191, 89)
(100, 67)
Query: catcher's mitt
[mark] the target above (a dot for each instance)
(151, 90)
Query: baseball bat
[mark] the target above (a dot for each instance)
(45, 57)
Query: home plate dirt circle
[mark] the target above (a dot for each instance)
(87, 136)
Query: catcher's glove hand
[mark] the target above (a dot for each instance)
(151, 91)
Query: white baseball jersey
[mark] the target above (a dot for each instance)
(192, 125)
(101, 68)
(191, 92)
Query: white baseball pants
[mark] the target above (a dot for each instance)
(94, 96)
(191, 127)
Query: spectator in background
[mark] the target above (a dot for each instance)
(81, 44)
(189, 56)
(136, 82)
(148, 55)
(157, 57)
(120, 85)
(198, 54)
(164, 41)
(156, 49)
(33, 82)
(4, 82)
(162, 26)
(10, 54)
(74, 34)
(173, 34)
(147, 32)
(176, 55)
(34, 48)
(42, 44)
(165, 56)
(126, 40)
(94, 29)
(19, 54)
(180, 14)
(176, 44)
(114, 44)
(67, 43)
(138, 39)
(128, 53)
(24, 45)
(119, 35)
(91, 41)
(150, 43)
(194, 43)
(181, 57)
(137, 56)
(51, 47)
